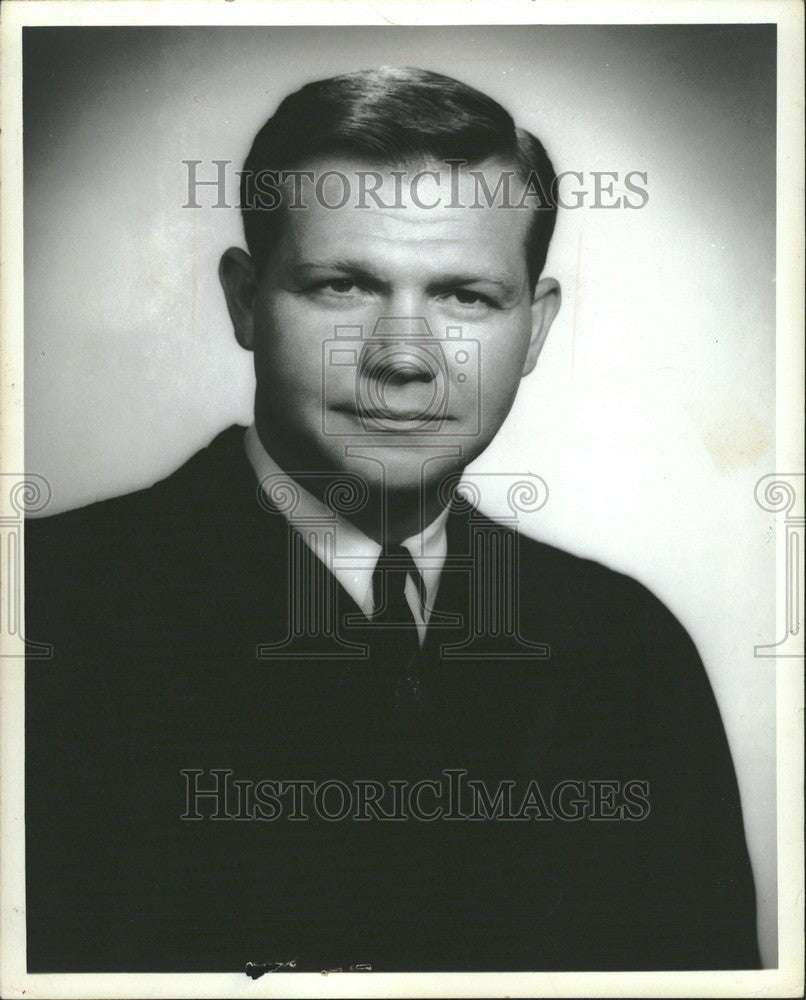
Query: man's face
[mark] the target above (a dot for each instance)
(420, 395)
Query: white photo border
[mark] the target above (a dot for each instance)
(787, 979)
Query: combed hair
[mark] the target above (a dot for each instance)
(393, 117)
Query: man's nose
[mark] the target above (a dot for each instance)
(405, 310)
(401, 326)
(400, 349)
(398, 362)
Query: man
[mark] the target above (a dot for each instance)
(307, 707)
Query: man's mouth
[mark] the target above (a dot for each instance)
(402, 415)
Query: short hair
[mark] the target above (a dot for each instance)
(392, 117)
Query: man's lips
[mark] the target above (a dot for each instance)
(397, 414)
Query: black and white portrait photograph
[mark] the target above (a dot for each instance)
(402, 499)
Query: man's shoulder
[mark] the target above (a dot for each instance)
(205, 483)
(597, 603)
(562, 577)
(582, 579)
(126, 550)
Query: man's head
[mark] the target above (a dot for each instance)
(406, 216)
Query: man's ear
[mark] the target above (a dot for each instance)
(238, 277)
(545, 306)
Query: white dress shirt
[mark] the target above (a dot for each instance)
(355, 555)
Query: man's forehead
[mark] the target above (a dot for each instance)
(423, 209)
(421, 184)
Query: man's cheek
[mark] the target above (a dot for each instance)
(498, 385)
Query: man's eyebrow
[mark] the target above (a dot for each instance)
(349, 266)
(471, 278)
(447, 279)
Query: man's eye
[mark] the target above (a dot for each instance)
(465, 297)
(340, 285)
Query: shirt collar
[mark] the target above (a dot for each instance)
(355, 555)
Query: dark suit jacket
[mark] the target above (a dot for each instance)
(155, 603)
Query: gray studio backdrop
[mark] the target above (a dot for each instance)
(651, 413)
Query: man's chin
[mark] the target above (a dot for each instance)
(400, 463)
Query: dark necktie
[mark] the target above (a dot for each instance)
(396, 640)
